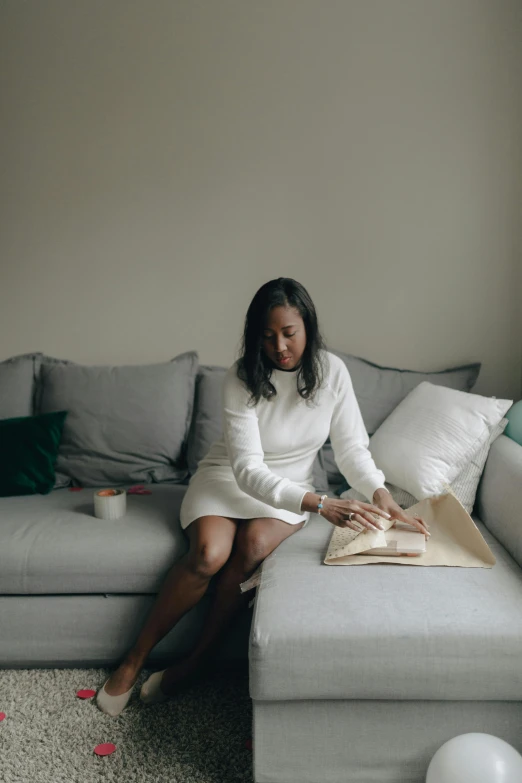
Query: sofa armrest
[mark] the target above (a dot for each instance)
(499, 496)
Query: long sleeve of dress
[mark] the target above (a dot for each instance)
(245, 451)
(350, 440)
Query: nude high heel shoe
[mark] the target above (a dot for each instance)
(150, 690)
(112, 705)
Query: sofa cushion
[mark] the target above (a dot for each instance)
(384, 631)
(514, 427)
(499, 498)
(54, 543)
(464, 486)
(28, 450)
(61, 480)
(39, 359)
(125, 424)
(380, 389)
(207, 422)
(17, 386)
(432, 435)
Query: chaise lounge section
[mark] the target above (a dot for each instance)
(359, 674)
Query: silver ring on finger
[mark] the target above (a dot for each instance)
(350, 516)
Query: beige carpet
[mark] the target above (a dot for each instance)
(49, 734)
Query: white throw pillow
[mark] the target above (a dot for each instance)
(464, 487)
(432, 435)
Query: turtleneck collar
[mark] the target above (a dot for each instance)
(285, 372)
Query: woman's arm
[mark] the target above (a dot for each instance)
(243, 441)
(350, 440)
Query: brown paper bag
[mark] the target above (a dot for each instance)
(455, 539)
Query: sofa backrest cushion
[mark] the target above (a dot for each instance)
(380, 389)
(207, 419)
(124, 424)
(17, 386)
(499, 496)
(39, 359)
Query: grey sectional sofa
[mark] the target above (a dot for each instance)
(357, 674)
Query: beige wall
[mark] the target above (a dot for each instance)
(161, 159)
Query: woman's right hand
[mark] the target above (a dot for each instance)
(337, 512)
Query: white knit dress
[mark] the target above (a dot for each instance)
(262, 467)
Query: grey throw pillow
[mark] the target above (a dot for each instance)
(207, 422)
(17, 386)
(207, 419)
(125, 424)
(380, 389)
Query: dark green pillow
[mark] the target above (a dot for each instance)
(28, 451)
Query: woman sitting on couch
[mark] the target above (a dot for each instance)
(282, 399)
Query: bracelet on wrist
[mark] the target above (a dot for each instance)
(320, 504)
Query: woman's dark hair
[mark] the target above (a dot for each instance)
(254, 367)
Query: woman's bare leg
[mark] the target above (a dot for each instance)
(255, 539)
(211, 540)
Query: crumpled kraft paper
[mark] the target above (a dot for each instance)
(455, 539)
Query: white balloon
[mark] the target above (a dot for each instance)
(475, 758)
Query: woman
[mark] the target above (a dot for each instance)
(282, 399)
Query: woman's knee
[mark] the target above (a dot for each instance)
(207, 558)
(211, 541)
(253, 545)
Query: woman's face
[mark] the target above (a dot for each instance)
(284, 337)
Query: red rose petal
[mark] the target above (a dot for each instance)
(105, 749)
(2, 715)
(86, 693)
(75, 489)
(248, 744)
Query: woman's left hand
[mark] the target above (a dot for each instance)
(385, 502)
